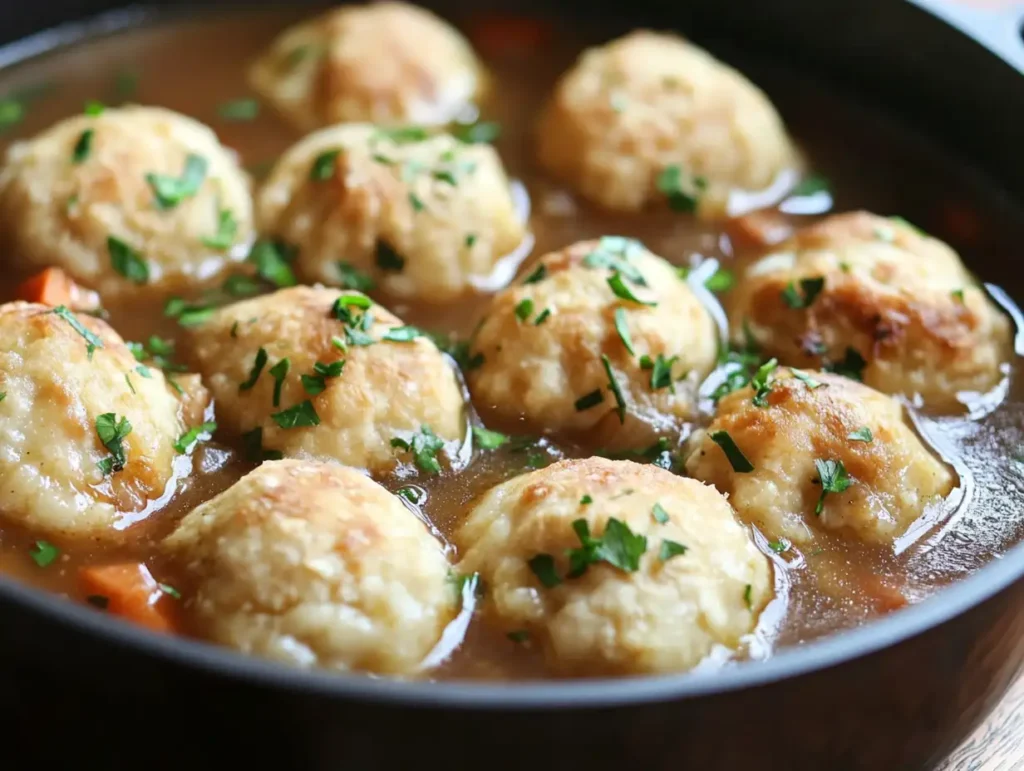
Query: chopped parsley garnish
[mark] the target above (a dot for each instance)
(144, 372)
(958, 295)
(537, 275)
(424, 447)
(670, 549)
(416, 202)
(186, 314)
(241, 286)
(519, 636)
(239, 110)
(387, 258)
(748, 597)
(622, 291)
(833, 477)
(128, 380)
(279, 372)
(586, 500)
(737, 459)
(112, 433)
(683, 192)
(852, 365)
(543, 566)
(523, 309)
(481, 132)
(353, 278)
(415, 495)
(93, 108)
(761, 382)
(780, 546)
(404, 135)
(257, 368)
(83, 147)
(273, 262)
(470, 240)
(659, 514)
(357, 325)
(43, 553)
(806, 379)
(317, 382)
(619, 547)
(613, 385)
(168, 191)
(861, 435)
(615, 253)
(722, 280)
(252, 446)
(227, 229)
(200, 433)
(324, 165)
(302, 415)
(404, 334)
(487, 439)
(587, 401)
(92, 341)
(3, 395)
(623, 329)
(543, 316)
(811, 185)
(127, 261)
(805, 296)
(170, 591)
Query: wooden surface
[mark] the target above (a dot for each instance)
(998, 745)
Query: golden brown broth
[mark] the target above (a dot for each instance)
(194, 66)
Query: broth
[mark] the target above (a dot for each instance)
(871, 164)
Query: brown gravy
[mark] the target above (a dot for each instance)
(196, 65)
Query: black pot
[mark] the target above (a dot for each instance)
(896, 695)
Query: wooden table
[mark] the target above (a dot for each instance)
(998, 745)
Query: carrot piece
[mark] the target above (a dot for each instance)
(765, 227)
(495, 35)
(54, 287)
(132, 593)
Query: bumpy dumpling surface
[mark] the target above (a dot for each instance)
(383, 63)
(425, 216)
(384, 390)
(540, 345)
(314, 564)
(51, 451)
(651, 114)
(823, 418)
(663, 613)
(875, 297)
(69, 191)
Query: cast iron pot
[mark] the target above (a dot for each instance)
(896, 695)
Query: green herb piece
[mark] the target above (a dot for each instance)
(279, 372)
(543, 316)
(353, 278)
(811, 185)
(618, 546)
(424, 446)
(623, 329)
(683, 192)
(487, 439)
(387, 258)
(958, 295)
(402, 334)
(519, 636)
(324, 166)
(170, 591)
(613, 385)
(537, 275)
(190, 438)
(523, 309)
(592, 399)
(809, 290)
(317, 382)
(239, 110)
(852, 365)
(404, 135)
(861, 435)
(413, 494)
(11, 113)
(761, 382)
(622, 291)
(833, 477)
(721, 280)
(252, 446)
(112, 433)
(92, 341)
(83, 147)
(470, 240)
(586, 500)
(3, 395)
(482, 132)
(187, 315)
(302, 415)
(241, 286)
(780, 546)
(737, 459)
(670, 549)
(128, 380)
(659, 514)
(273, 262)
(356, 325)
(227, 230)
(748, 597)
(615, 253)
(257, 368)
(168, 191)
(543, 566)
(416, 202)
(806, 379)
(44, 553)
(127, 261)
(144, 372)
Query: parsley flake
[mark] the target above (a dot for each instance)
(780, 546)
(92, 341)
(805, 296)
(737, 459)
(353, 278)
(618, 546)
(523, 309)
(273, 262)
(586, 500)
(44, 553)
(852, 365)
(833, 477)
(487, 439)
(257, 367)
(302, 415)
(861, 435)
(112, 433)
(659, 514)
(537, 275)
(127, 261)
(193, 436)
(227, 229)
(481, 132)
(83, 147)
(623, 329)
(252, 447)
(239, 110)
(682, 191)
(623, 292)
(613, 385)
(761, 382)
(168, 191)
(810, 186)
(324, 166)
(806, 379)
(424, 446)
(543, 566)
(279, 372)
(670, 549)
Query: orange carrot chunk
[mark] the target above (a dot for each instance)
(130, 591)
(54, 287)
